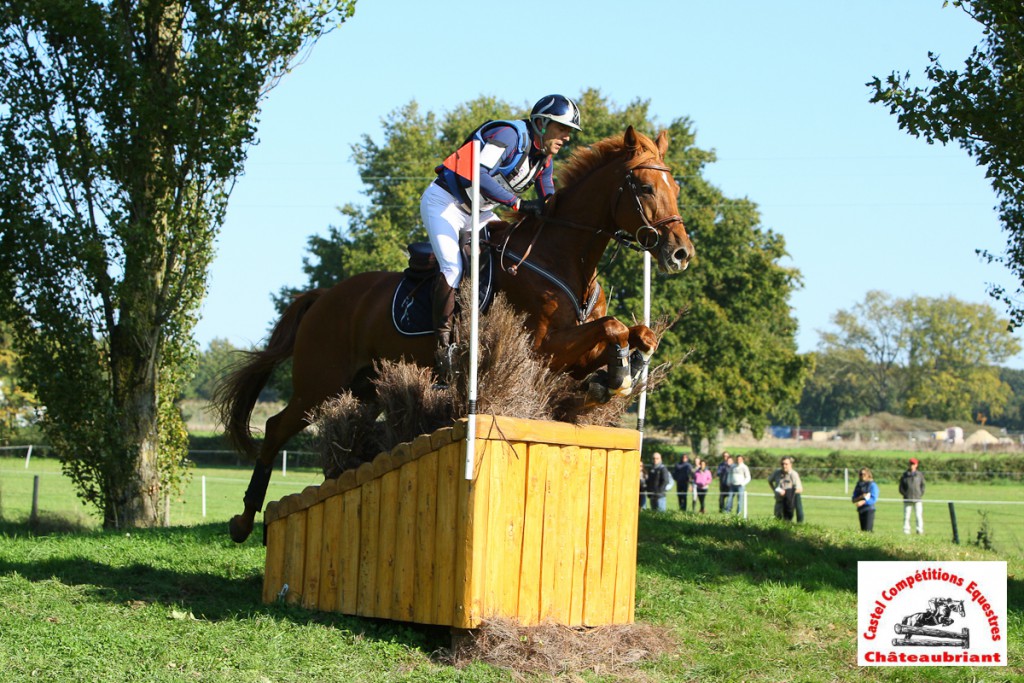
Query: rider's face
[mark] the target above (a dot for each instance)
(555, 136)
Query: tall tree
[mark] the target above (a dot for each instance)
(920, 356)
(871, 340)
(981, 108)
(734, 350)
(835, 390)
(211, 365)
(122, 127)
(954, 352)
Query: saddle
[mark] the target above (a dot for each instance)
(411, 303)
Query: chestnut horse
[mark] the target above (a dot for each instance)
(617, 189)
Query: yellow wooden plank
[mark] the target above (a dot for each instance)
(533, 534)
(449, 481)
(386, 549)
(314, 543)
(330, 555)
(426, 528)
(471, 541)
(514, 486)
(495, 570)
(579, 495)
(403, 594)
(552, 538)
(615, 503)
(556, 433)
(295, 556)
(273, 570)
(595, 602)
(351, 555)
(565, 484)
(368, 535)
(626, 555)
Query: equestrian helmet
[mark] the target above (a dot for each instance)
(555, 108)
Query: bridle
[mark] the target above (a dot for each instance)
(635, 242)
(623, 237)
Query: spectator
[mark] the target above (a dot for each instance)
(912, 490)
(865, 495)
(683, 474)
(701, 481)
(785, 481)
(723, 479)
(643, 487)
(739, 477)
(658, 482)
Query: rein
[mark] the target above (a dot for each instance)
(622, 237)
(633, 242)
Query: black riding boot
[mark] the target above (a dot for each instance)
(443, 309)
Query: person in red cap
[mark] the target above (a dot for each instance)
(912, 490)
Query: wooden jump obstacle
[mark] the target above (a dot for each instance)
(545, 531)
(962, 639)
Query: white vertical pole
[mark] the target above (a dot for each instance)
(474, 308)
(28, 456)
(641, 410)
(204, 495)
(846, 480)
(284, 463)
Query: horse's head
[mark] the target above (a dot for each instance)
(646, 206)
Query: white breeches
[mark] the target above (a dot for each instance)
(444, 221)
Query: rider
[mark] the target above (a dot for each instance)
(513, 155)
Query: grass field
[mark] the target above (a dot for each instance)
(753, 600)
(741, 600)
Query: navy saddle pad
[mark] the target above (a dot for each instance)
(410, 306)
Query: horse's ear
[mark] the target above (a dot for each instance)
(629, 139)
(662, 142)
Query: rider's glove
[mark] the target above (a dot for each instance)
(534, 207)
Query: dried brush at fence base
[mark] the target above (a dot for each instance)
(554, 650)
(345, 434)
(512, 381)
(410, 401)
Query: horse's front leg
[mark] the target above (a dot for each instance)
(643, 343)
(581, 350)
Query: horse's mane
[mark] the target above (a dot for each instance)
(586, 159)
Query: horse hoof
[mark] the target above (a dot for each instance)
(597, 393)
(240, 528)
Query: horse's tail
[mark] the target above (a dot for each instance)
(236, 394)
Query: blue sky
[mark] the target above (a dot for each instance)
(777, 89)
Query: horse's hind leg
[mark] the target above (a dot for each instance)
(279, 429)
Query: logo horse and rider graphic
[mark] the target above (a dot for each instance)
(939, 613)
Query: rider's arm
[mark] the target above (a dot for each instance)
(545, 181)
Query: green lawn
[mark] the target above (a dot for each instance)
(752, 600)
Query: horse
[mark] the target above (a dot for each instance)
(938, 614)
(617, 189)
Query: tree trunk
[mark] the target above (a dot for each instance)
(134, 496)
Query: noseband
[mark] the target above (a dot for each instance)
(636, 242)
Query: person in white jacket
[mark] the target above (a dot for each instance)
(739, 477)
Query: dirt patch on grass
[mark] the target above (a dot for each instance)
(563, 652)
